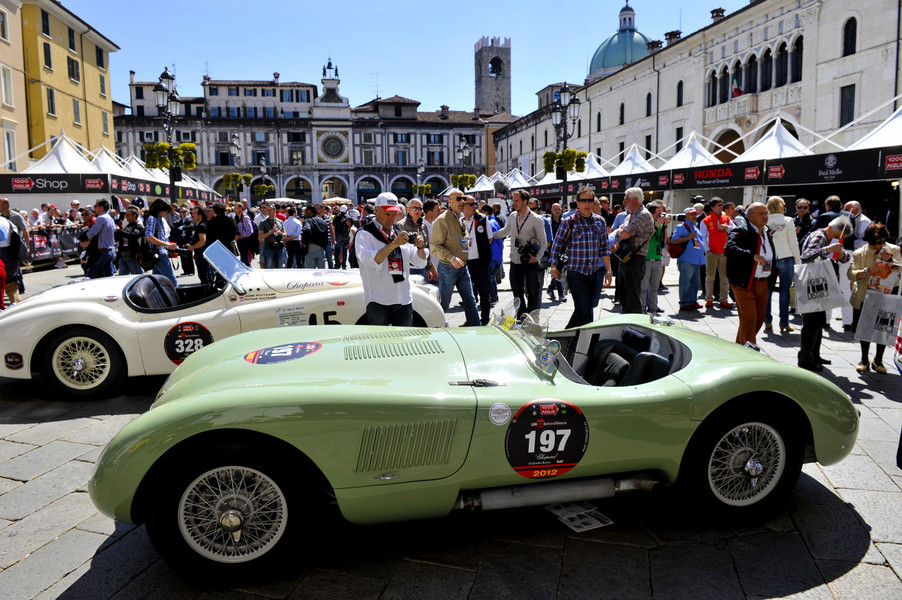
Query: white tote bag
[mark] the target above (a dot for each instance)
(817, 287)
(879, 318)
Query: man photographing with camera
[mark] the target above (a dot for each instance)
(529, 244)
(271, 234)
(385, 260)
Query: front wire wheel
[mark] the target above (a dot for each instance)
(232, 514)
(746, 464)
(81, 362)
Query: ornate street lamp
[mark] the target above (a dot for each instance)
(235, 151)
(421, 168)
(567, 105)
(168, 105)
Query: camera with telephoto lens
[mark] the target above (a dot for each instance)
(679, 217)
(527, 251)
(181, 251)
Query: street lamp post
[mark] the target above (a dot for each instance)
(566, 105)
(235, 151)
(261, 162)
(168, 103)
(463, 153)
(421, 168)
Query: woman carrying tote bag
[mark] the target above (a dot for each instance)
(869, 263)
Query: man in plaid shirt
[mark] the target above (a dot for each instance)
(245, 238)
(584, 237)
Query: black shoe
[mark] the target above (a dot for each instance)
(659, 310)
(551, 297)
(810, 366)
(823, 361)
(847, 328)
(563, 298)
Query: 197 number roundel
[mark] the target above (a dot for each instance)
(546, 438)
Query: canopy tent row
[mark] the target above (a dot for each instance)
(66, 173)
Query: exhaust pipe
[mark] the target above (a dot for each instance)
(549, 493)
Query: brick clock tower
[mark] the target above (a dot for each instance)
(493, 75)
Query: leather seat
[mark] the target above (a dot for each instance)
(608, 363)
(154, 292)
(646, 367)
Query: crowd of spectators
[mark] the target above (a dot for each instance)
(724, 253)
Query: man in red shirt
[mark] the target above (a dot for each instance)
(717, 227)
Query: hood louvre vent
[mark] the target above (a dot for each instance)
(384, 334)
(405, 446)
(397, 350)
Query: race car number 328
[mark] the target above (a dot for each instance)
(546, 438)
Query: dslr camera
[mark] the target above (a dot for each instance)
(678, 217)
(412, 237)
(527, 251)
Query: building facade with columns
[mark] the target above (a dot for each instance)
(819, 65)
(310, 145)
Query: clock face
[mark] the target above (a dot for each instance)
(333, 146)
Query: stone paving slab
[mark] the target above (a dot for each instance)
(513, 571)
(702, 571)
(10, 450)
(54, 561)
(850, 581)
(23, 500)
(26, 467)
(774, 565)
(329, 586)
(44, 433)
(617, 572)
(421, 580)
(881, 511)
(43, 526)
(859, 472)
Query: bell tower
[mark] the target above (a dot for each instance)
(493, 75)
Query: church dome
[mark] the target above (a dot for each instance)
(624, 47)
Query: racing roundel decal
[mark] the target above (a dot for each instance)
(546, 438)
(185, 339)
(285, 352)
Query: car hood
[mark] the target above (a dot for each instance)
(294, 281)
(104, 289)
(317, 357)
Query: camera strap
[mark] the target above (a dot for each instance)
(395, 259)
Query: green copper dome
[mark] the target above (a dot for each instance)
(624, 47)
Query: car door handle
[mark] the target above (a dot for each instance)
(478, 383)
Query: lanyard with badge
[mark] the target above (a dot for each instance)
(464, 239)
(394, 259)
(519, 227)
(763, 251)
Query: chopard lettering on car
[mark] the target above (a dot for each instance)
(282, 353)
(303, 285)
(546, 438)
(185, 339)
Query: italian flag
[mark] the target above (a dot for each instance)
(737, 89)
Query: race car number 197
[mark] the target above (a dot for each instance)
(546, 438)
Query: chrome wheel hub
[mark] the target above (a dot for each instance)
(232, 514)
(746, 464)
(81, 362)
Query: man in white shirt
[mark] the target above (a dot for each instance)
(293, 227)
(385, 260)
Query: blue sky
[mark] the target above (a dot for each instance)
(420, 50)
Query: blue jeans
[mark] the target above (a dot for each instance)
(399, 315)
(585, 291)
(271, 257)
(785, 268)
(419, 272)
(162, 266)
(690, 280)
(448, 279)
(130, 267)
(493, 284)
(330, 248)
(315, 258)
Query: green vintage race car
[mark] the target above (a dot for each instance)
(253, 437)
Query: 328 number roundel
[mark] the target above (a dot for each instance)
(546, 438)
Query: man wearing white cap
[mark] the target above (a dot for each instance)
(385, 259)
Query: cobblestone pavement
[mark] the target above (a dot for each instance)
(840, 536)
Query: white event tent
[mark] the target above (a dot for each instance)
(776, 143)
(633, 163)
(888, 133)
(693, 154)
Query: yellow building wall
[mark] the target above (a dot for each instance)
(42, 124)
(13, 117)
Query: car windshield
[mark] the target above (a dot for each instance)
(532, 333)
(226, 264)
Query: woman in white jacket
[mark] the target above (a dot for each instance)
(786, 246)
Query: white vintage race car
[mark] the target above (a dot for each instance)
(84, 337)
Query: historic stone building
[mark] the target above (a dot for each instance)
(312, 146)
(493, 75)
(818, 65)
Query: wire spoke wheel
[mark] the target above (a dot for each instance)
(81, 362)
(746, 464)
(232, 514)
